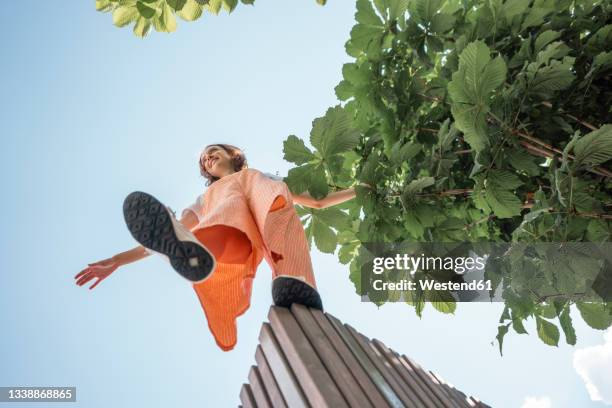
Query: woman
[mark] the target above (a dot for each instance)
(244, 215)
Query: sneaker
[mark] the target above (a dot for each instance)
(287, 290)
(153, 225)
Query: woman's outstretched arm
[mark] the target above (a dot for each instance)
(102, 269)
(334, 198)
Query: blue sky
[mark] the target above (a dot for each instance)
(91, 113)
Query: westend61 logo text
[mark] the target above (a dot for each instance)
(412, 264)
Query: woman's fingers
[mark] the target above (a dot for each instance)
(85, 271)
(99, 270)
(78, 275)
(95, 284)
(84, 279)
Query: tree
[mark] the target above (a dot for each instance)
(474, 121)
(161, 14)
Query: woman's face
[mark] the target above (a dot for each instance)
(217, 161)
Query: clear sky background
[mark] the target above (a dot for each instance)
(90, 113)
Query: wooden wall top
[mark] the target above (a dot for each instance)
(307, 358)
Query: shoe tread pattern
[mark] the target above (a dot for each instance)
(149, 223)
(286, 291)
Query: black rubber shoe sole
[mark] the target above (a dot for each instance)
(149, 223)
(286, 291)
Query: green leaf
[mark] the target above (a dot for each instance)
(318, 187)
(334, 133)
(142, 26)
(548, 332)
(554, 77)
(365, 38)
(324, 237)
(556, 50)
(416, 186)
(214, 6)
(512, 8)
(124, 15)
(441, 23)
(190, 11)
(596, 314)
(299, 178)
(176, 5)
(165, 21)
(546, 310)
(426, 9)
(296, 151)
(442, 300)
(471, 89)
(523, 161)
(517, 325)
(595, 147)
(544, 39)
(230, 5)
(366, 14)
(103, 5)
(169, 19)
(333, 217)
(344, 90)
(603, 60)
(413, 225)
(357, 74)
(566, 324)
(535, 17)
(600, 41)
(397, 9)
(145, 9)
(503, 203)
(505, 314)
(597, 231)
(405, 153)
(347, 252)
(501, 332)
(309, 177)
(499, 194)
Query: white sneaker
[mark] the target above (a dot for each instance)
(156, 228)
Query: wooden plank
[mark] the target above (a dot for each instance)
(269, 382)
(246, 397)
(362, 379)
(307, 358)
(383, 367)
(319, 388)
(336, 368)
(258, 389)
(444, 388)
(376, 376)
(455, 394)
(479, 403)
(446, 400)
(437, 399)
(415, 388)
(287, 383)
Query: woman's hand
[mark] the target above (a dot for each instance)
(333, 198)
(100, 270)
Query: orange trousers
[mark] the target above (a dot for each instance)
(247, 216)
